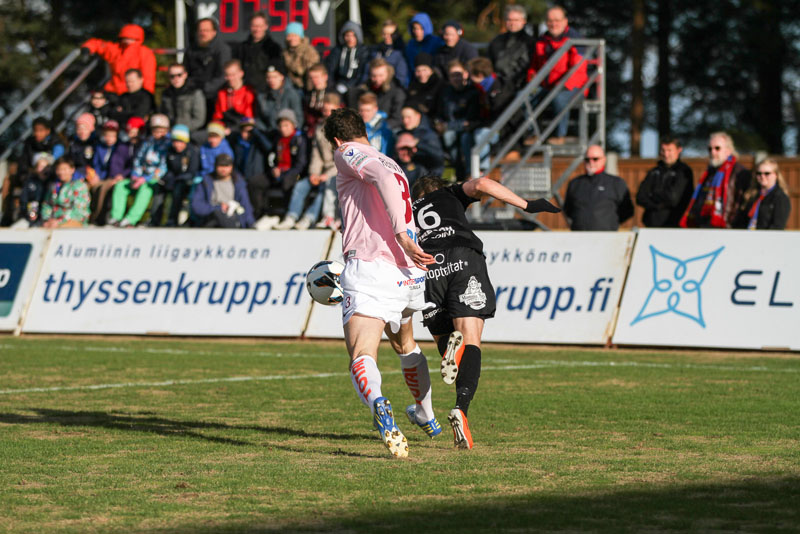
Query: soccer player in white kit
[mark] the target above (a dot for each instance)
(384, 276)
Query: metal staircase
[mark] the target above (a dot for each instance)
(531, 174)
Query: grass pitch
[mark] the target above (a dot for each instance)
(142, 435)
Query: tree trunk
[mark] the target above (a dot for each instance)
(637, 87)
(771, 52)
(663, 83)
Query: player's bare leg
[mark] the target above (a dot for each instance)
(417, 378)
(461, 351)
(362, 336)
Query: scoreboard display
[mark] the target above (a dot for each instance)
(316, 16)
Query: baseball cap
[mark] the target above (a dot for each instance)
(216, 128)
(223, 159)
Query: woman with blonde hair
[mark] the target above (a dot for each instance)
(766, 204)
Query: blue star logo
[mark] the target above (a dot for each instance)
(676, 286)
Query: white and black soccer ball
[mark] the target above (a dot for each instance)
(322, 282)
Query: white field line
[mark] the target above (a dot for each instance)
(543, 364)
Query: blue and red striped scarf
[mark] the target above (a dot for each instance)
(753, 213)
(715, 192)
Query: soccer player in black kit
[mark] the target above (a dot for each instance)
(458, 284)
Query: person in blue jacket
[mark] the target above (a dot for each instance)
(422, 39)
(213, 147)
(220, 200)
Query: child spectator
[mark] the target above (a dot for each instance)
(67, 202)
(406, 150)
(457, 115)
(136, 102)
(391, 96)
(347, 62)
(279, 95)
(424, 89)
(299, 55)
(423, 39)
(183, 166)
(215, 145)
(379, 134)
(112, 163)
(82, 143)
(42, 140)
(291, 153)
(429, 152)
(34, 190)
(129, 53)
(236, 99)
(181, 102)
(100, 106)
(220, 200)
(149, 167)
(134, 133)
(391, 49)
(321, 176)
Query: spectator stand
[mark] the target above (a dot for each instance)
(531, 173)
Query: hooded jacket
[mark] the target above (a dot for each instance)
(430, 43)
(122, 58)
(348, 67)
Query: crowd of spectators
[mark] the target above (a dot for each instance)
(236, 141)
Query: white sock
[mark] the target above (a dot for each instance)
(366, 379)
(418, 380)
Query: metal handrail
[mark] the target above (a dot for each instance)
(523, 100)
(39, 89)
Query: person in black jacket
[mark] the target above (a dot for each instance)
(205, 60)
(766, 204)
(391, 96)
(424, 89)
(667, 188)
(257, 52)
(183, 167)
(429, 153)
(454, 48)
(457, 115)
(347, 62)
(137, 102)
(510, 52)
(597, 200)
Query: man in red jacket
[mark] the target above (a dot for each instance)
(129, 53)
(557, 34)
(235, 100)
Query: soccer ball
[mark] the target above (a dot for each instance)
(322, 282)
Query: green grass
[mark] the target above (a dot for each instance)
(565, 440)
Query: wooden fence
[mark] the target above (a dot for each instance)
(634, 170)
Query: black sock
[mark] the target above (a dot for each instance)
(442, 344)
(469, 371)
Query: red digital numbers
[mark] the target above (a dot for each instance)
(298, 10)
(234, 15)
(279, 13)
(229, 16)
(406, 195)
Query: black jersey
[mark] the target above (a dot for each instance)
(441, 220)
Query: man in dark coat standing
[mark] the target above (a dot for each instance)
(597, 200)
(454, 48)
(510, 51)
(205, 61)
(257, 52)
(667, 188)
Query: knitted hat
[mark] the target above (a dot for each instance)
(295, 28)
(159, 120)
(287, 114)
(86, 118)
(111, 125)
(180, 132)
(216, 128)
(135, 122)
(424, 58)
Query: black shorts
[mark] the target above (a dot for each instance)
(458, 284)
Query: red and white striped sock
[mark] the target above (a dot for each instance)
(366, 379)
(418, 380)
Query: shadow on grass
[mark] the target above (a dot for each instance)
(149, 423)
(752, 505)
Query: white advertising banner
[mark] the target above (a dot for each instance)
(712, 288)
(20, 258)
(183, 282)
(551, 287)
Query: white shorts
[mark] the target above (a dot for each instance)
(382, 290)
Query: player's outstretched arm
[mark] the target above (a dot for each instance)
(417, 255)
(486, 186)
